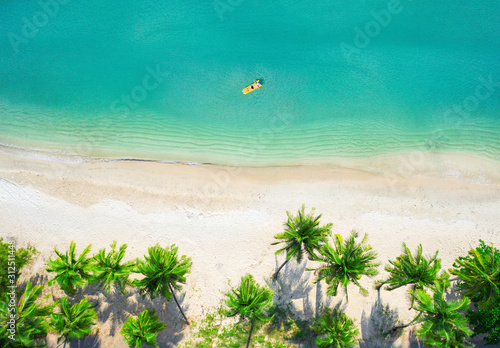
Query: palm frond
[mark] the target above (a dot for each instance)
(71, 272)
(413, 269)
(30, 318)
(249, 300)
(73, 321)
(302, 234)
(108, 270)
(163, 273)
(162, 268)
(443, 322)
(335, 329)
(479, 273)
(346, 262)
(142, 330)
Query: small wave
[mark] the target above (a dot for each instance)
(39, 154)
(154, 161)
(58, 156)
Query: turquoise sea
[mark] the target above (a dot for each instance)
(162, 80)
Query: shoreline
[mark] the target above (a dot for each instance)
(225, 218)
(280, 142)
(414, 163)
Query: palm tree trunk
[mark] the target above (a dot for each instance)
(175, 299)
(394, 328)
(379, 286)
(250, 336)
(275, 275)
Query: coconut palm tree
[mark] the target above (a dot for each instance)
(345, 263)
(108, 269)
(22, 257)
(337, 329)
(163, 273)
(71, 272)
(250, 301)
(479, 273)
(302, 234)
(29, 326)
(415, 270)
(142, 330)
(73, 321)
(443, 322)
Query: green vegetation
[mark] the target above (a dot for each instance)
(212, 333)
(108, 270)
(414, 270)
(250, 302)
(163, 273)
(30, 319)
(73, 321)
(285, 325)
(22, 257)
(215, 331)
(479, 273)
(71, 272)
(302, 233)
(142, 330)
(346, 263)
(335, 330)
(486, 321)
(443, 322)
(480, 281)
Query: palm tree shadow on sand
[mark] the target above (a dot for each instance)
(294, 301)
(376, 327)
(113, 309)
(293, 284)
(170, 315)
(37, 279)
(91, 341)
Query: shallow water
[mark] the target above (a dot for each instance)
(163, 80)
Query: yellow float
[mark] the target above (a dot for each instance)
(252, 87)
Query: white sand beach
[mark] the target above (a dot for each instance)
(225, 218)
